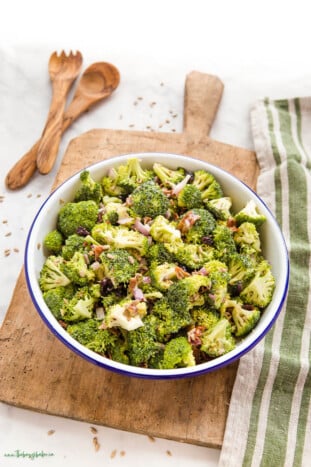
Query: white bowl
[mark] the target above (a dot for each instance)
(273, 245)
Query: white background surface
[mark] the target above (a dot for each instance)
(258, 48)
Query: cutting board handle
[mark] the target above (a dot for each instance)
(203, 93)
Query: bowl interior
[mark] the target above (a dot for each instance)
(273, 245)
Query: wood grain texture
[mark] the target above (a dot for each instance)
(39, 373)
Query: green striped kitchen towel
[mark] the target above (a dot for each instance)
(269, 420)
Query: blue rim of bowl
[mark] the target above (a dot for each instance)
(129, 370)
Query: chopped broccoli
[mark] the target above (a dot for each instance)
(116, 213)
(73, 243)
(79, 307)
(220, 207)
(177, 354)
(158, 253)
(213, 191)
(131, 175)
(218, 273)
(142, 342)
(245, 318)
(247, 234)
(241, 270)
(127, 314)
(187, 293)
(250, 213)
(169, 322)
(193, 256)
(120, 237)
(169, 177)
(196, 224)
(202, 179)
(54, 298)
(218, 340)
(89, 189)
(260, 289)
(148, 200)
(164, 275)
(118, 266)
(77, 270)
(89, 333)
(74, 215)
(51, 274)
(53, 242)
(164, 231)
(205, 317)
(189, 197)
(223, 243)
(110, 184)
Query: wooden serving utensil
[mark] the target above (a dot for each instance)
(97, 82)
(63, 70)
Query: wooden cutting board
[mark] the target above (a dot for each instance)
(39, 373)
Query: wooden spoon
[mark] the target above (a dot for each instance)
(63, 70)
(96, 83)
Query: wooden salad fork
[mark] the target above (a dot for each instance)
(63, 70)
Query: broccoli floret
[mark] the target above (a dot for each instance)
(169, 322)
(164, 275)
(164, 231)
(79, 307)
(54, 298)
(73, 244)
(177, 354)
(247, 234)
(120, 237)
(131, 175)
(74, 215)
(51, 274)
(202, 179)
(110, 184)
(89, 189)
(53, 242)
(148, 200)
(187, 293)
(260, 290)
(196, 224)
(220, 207)
(142, 342)
(213, 191)
(193, 256)
(158, 253)
(117, 212)
(76, 269)
(118, 266)
(223, 243)
(217, 271)
(127, 314)
(189, 197)
(244, 318)
(89, 334)
(241, 270)
(218, 340)
(250, 213)
(169, 177)
(205, 317)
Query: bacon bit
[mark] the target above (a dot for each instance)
(194, 335)
(63, 324)
(131, 310)
(98, 249)
(231, 224)
(181, 273)
(188, 221)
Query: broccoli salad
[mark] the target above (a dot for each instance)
(151, 268)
